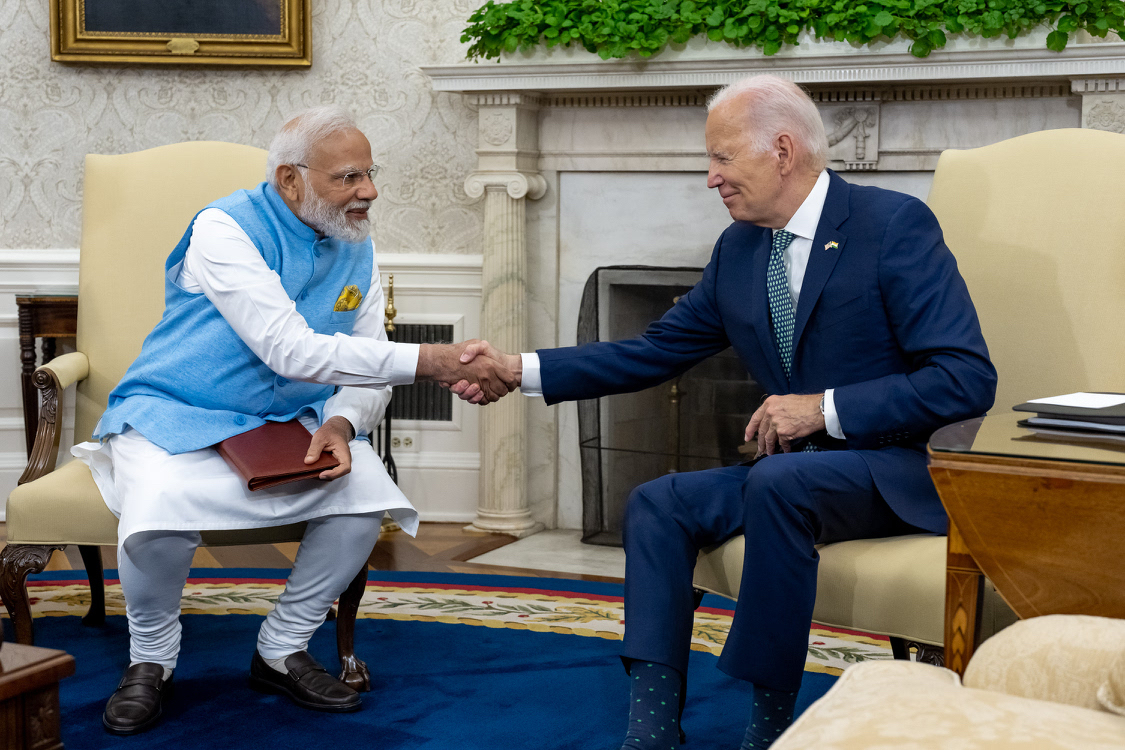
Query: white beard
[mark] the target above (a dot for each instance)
(332, 221)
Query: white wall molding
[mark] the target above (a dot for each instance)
(424, 261)
(13, 259)
(66, 258)
(436, 460)
(41, 271)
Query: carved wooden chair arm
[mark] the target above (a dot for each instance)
(52, 379)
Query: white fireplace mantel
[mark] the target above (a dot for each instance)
(703, 65)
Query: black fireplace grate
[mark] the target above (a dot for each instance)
(422, 401)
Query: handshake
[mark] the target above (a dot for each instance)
(474, 370)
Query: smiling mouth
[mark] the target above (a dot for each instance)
(357, 212)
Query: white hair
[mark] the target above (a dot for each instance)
(300, 133)
(774, 106)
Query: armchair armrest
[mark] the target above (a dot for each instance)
(1057, 658)
(52, 379)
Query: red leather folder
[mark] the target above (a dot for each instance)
(273, 454)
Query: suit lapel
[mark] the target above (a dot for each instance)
(824, 254)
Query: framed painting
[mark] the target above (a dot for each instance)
(182, 32)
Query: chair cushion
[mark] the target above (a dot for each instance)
(897, 704)
(893, 586)
(65, 507)
(1057, 658)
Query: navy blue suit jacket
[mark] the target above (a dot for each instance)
(883, 317)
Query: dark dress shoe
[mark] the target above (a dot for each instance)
(306, 683)
(137, 703)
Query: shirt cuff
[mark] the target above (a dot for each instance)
(531, 382)
(347, 413)
(831, 418)
(405, 368)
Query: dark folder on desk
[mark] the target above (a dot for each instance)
(273, 454)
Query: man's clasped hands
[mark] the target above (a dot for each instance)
(477, 372)
(474, 370)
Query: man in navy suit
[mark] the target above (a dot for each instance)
(845, 304)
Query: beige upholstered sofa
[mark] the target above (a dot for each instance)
(1037, 224)
(1044, 683)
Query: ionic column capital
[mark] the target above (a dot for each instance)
(517, 184)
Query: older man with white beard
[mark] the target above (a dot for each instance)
(273, 312)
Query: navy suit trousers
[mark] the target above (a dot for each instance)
(785, 504)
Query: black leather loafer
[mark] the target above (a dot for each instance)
(306, 683)
(138, 702)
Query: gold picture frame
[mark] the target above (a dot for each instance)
(187, 32)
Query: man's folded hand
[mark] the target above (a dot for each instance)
(478, 373)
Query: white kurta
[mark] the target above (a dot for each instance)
(149, 489)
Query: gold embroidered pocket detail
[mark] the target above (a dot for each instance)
(349, 299)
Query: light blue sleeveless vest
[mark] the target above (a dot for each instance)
(195, 382)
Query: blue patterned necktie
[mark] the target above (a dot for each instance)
(781, 303)
(781, 306)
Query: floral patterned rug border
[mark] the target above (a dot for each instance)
(830, 650)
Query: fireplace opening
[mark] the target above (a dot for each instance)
(693, 422)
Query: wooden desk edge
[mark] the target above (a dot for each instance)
(1024, 466)
(30, 675)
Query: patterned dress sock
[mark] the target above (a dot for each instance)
(771, 713)
(654, 707)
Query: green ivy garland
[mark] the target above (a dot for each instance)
(616, 28)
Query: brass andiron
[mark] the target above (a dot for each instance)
(389, 314)
(674, 419)
(390, 311)
(674, 427)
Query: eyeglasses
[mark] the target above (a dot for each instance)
(348, 179)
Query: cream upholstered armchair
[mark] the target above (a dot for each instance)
(1049, 683)
(135, 209)
(1037, 224)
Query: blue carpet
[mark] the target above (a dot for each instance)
(436, 685)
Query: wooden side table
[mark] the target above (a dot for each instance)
(1043, 519)
(29, 696)
(48, 318)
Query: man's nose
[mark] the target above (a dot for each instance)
(714, 179)
(366, 190)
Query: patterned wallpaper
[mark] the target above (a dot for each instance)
(366, 57)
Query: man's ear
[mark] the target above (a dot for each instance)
(289, 183)
(786, 155)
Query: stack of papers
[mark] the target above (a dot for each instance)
(1078, 415)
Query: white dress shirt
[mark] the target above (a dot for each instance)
(149, 489)
(796, 258)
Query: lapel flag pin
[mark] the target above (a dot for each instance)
(832, 245)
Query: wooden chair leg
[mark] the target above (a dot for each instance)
(353, 672)
(17, 561)
(92, 559)
(900, 649)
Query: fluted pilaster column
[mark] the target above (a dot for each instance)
(507, 156)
